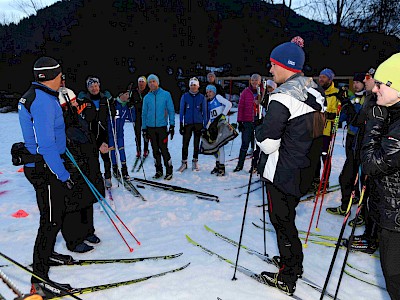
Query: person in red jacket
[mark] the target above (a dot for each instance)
(248, 110)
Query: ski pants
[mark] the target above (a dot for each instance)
(187, 135)
(138, 133)
(247, 137)
(159, 144)
(389, 245)
(348, 175)
(50, 194)
(77, 225)
(282, 214)
(120, 145)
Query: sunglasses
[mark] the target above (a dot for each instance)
(378, 84)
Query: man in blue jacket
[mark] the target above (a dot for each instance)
(193, 119)
(158, 110)
(43, 129)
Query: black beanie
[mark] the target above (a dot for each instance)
(359, 77)
(46, 68)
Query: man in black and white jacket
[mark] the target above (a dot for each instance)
(293, 120)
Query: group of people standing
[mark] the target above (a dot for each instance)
(290, 121)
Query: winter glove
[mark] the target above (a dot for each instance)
(171, 131)
(241, 126)
(181, 129)
(343, 96)
(69, 184)
(379, 113)
(145, 134)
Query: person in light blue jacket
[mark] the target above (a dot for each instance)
(158, 110)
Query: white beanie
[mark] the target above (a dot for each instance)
(194, 81)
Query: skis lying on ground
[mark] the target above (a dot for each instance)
(241, 269)
(265, 258)
(244, 193)
(177, 189)
(242, 186)
(131, 188)
(312, 196)
(102, 287)
(4, 182)
(248, 155)
(307, 197)
(84, 262)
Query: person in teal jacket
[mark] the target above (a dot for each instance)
(158, 110)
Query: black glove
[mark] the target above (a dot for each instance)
(171, 131)
(69, 184)
(181, 129)
(241, 126)
(145, 134)
(378, 112)
(343, 96)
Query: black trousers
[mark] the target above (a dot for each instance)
(389, 247)
(50, 195)
(282, 213)
(247, 138)
(77, 225)
(138, 133)
(159, 144)
(190, 129)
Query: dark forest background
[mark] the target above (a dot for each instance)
(120, 40)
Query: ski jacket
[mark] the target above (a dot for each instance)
(331, 110)
(97, 117)
(122, 113)
(136, 99)
(158, 109)
(217, 106)
(287, 132)
(193, 109)
(380, 159)
(349, 114)
(246, 112)
(43, 129)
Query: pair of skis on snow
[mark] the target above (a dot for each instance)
(90, 289)
(138, 159)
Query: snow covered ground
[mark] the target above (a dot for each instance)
(161, 224)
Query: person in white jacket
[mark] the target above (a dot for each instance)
(217, 107)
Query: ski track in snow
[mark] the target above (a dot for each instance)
(160, 224)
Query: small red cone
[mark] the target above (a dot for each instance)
(20, 214)
(1, 172)
(21, 170)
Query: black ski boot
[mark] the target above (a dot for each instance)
(57, 259)
(124, 171)
(159, 172)
(168, 175)
(276, 280)
(48, 292)
(278, 263)
(221, 170)
(215, 170)
(116, 172)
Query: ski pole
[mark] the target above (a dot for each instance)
(230, 152)
(52, 284)
(243, 220)
(360, 204)
(329, 157)
(101, 199)
(10, 284)
(348, 211)
(263, 210)
(324, 173)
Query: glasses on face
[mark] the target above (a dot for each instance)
(368, 76)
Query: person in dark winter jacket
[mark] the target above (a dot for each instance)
(212, 79)
(116, 134)
(78, 225)
(193, 120)
(43, 129)
(380, 158)
(248, 111)
(136, 97)
(350, 110)
(285, 138)
(95, 108)
(158, 111)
